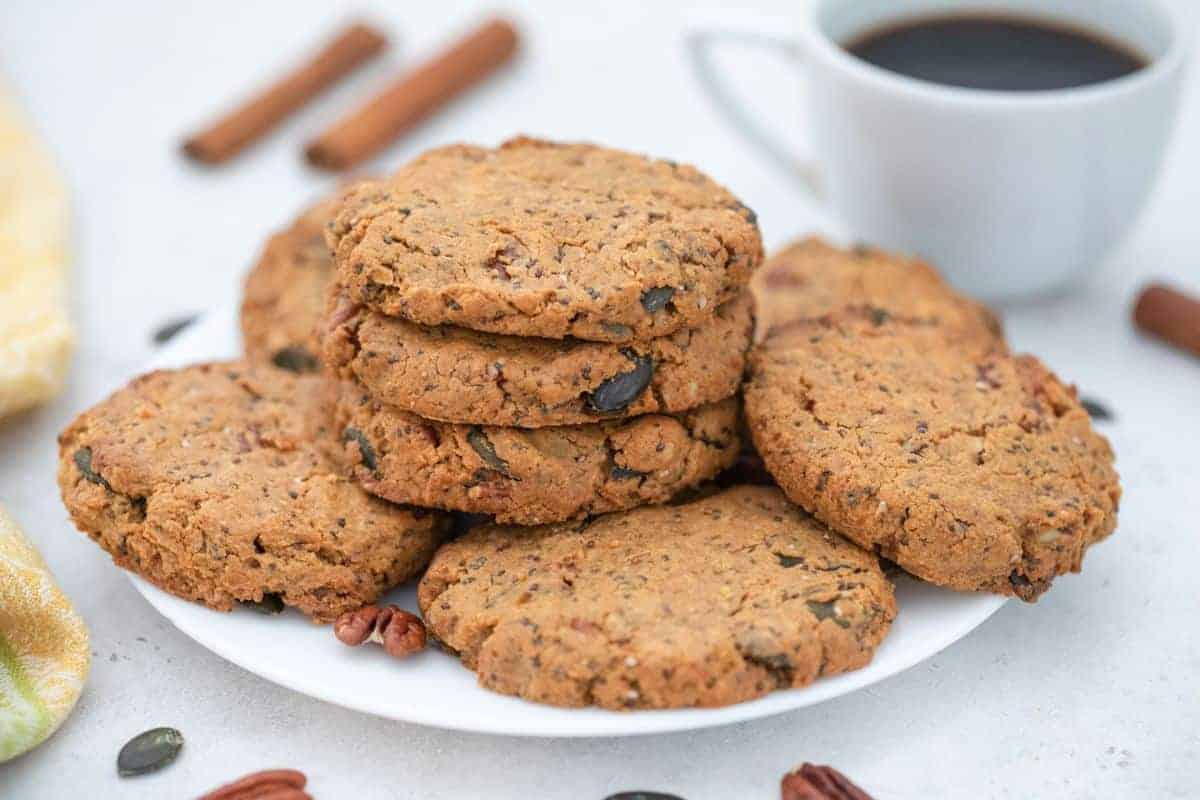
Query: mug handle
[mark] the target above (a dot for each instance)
(699, 41)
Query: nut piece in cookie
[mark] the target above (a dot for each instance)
(706, 604)
(536, 238)
(531, 477)
(213, 483)
(971, 470)
(811, 278)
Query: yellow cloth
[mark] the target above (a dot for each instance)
(36, 335)
(44, 655)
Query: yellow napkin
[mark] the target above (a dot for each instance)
(44, 653)
(36, 335)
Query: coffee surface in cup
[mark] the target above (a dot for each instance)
(998, 53)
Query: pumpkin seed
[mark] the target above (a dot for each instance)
(823, 611)
(149, 751)
(615, 394)
(364, 447)
(484, 448)
(83, 460)
(169, 330)
(1096, 410)
(643, 796)
(295, 359)
(656, 298)
(617, 329)
(787, 562)
(625, 473)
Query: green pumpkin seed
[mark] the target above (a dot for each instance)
(295, 359)
(149, 751)
(614, 395)
(83, 460)
(364, 448)
(823, 611)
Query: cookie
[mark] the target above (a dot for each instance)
(459, 375)
(534, 476)
(705, 604)
(542, 239)
(284, 294)
(973, 471)
(213, 483)
(811, 278)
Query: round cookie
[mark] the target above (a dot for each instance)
(284, 293)
(811, 278)
(706, 604)
(531, 477)
(213, 482)
(542, 239)
(969, 470)
(459, 375)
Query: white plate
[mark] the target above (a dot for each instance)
(433, 689)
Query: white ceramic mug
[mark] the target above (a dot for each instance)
(1010, 193)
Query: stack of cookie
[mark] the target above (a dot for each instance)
(538, 332)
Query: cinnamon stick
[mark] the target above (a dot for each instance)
(413, 97)
(350, 49)
(1170, 315)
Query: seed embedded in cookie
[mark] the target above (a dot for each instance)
(710, 603)
(213, 482)
(973, 470)
(536, 238)
(531, 476)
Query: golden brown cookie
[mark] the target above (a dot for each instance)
(811, 278)
(531, 477)
(212, 483)
(459, 375)
(542, 239)
(969, 470)
(284, 294)
(705, 604)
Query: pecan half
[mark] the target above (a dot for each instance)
(277, 784)
(399, 632)
(812, 782)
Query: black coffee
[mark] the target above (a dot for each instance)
(1007, 54)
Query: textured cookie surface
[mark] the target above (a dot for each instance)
(811, 278)
(285, 290)
(705, 604)
(543, 239)
(970, 471)
(459, 375)
(212, 483)
(532, 476)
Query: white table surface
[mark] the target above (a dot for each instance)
(1092, 693)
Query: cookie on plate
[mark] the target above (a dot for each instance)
(705, 604)
(533, 476)
(284, 294)
(811, 278)
(542, 239)
(459, 375)
(212, 483)
(973, 471)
